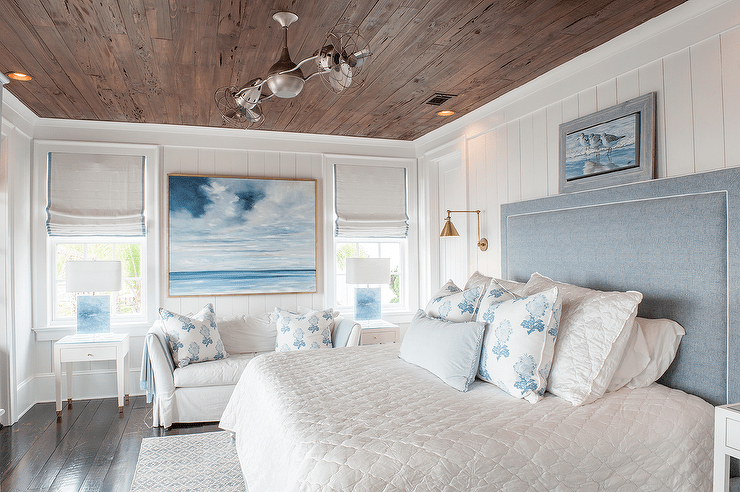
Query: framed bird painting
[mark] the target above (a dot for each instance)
(610, 147)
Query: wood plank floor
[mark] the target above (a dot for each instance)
(93, 448)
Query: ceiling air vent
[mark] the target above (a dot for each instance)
(439, 99)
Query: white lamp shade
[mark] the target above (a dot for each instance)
(368, 270)
(93, 276)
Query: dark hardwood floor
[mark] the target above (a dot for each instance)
(93, 448)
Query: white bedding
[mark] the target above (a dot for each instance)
(362, 419)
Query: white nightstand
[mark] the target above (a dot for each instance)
(87, 348)
(379, 331)
(726, 443)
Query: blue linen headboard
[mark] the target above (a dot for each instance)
(676, 240)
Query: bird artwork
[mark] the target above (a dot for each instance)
(609, 141)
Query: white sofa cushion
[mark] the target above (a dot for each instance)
(212, 373)
(245, 334)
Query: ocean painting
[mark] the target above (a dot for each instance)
(603, 148)
(233, 236)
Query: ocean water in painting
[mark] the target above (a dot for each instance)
(241, 235)
(602, 148)
(241, 282)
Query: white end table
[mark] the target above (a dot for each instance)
(379, 331)
(88, 348)
(726, 443)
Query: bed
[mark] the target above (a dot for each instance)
(364, 419)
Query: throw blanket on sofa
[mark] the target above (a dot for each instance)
(362, 419)
(147, 382)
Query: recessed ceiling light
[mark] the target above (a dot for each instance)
(446, 112)
(23, 77)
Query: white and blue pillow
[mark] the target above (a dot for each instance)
(193, 339)
(495, 294)
(519, 343)
(307, 331)
(453, 304)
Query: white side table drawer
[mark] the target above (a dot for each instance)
(79, 354)
(373, 336)
(733, 433)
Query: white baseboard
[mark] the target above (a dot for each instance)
(85, 384)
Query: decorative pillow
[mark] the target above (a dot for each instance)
(477, 279)
(594, 329)
(303, 331)
(448, 350)
(494, 295)
(459, 307)
(662, 337)
(519, 343)
(447, 289)
(193, 339)
(635, 359)
(246, 334)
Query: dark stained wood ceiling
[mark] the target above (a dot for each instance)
(160, 61)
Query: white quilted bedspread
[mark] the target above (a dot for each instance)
(361, 419)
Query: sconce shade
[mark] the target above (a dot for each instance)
(449, 229)
(93, 276)
(368, 270)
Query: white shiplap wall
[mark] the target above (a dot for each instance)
(515, 156)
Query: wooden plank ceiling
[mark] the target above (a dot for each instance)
(160, 61)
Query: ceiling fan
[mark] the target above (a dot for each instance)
(341, 62)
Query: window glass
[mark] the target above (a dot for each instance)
(392, 294)
(126, 302)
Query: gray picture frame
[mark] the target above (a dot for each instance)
(593, 154)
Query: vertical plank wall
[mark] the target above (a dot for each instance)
(698, 123)
(244, 163)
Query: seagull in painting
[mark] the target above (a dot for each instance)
(609, 141)
(583, 140)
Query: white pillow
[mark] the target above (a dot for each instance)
(302, 331)
(494, 295)
(246, 334)
(477, 279)
(450, 351)
(662, 337)
(635, 359)
(459, 307)
(519, 342)
(594, 329)
(193, 339)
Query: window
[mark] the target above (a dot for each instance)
(126, 304)
(394, 294)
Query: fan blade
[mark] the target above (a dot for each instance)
(356, 59)
(249, 95)
(340, 77)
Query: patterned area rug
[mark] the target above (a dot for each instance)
(190, 462)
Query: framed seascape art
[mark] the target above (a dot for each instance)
(610, 147)
(234, 236)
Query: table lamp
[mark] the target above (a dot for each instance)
(369, 271)
(93, 311)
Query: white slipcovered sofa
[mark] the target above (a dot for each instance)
(200, 391)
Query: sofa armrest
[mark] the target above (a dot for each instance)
(346, 333)
(161, 367)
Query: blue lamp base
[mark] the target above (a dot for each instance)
(93, 314)
(367, 303)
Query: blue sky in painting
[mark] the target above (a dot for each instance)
(241, 224)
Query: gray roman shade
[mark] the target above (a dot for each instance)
(95, 195)
(370, 201)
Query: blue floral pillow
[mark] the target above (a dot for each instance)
(452, 304)
(519, 343)
(193, 339)
(303, 331)
(495, 293)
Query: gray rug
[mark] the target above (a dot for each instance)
(190, 462)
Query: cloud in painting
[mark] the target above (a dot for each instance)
(221, 224)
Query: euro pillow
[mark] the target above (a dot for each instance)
(450, 351)
(662, 337)
(635, 359)
(458, 306)
(193, 338)
(302, 331)
(519, 343)
(594, 329)
(247, 334)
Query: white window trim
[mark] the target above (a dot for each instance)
(42, 245)
(405, 313)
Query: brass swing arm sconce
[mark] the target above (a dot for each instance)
(449, 230)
